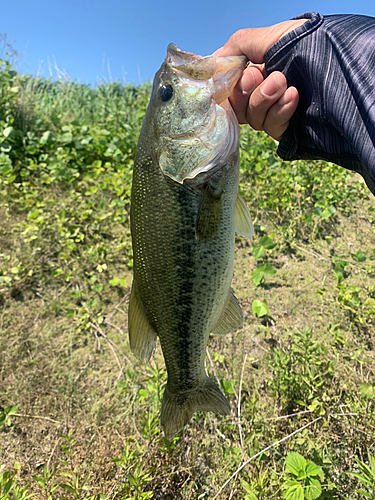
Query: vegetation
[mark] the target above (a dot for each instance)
(79, 416)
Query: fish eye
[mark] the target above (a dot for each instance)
(166, 93)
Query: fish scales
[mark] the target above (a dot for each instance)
(183, 242)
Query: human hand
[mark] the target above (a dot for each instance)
(265, 103)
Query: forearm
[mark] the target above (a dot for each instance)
(330, 61)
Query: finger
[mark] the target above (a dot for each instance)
(278, 116)
(250, 41)
(239, 98)
(263, 98)
(254, 42)
(217, 52)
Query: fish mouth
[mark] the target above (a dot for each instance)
(224, 71)
(228, 72)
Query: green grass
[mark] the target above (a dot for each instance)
(79, 416)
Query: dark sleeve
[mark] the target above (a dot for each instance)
(331, 61)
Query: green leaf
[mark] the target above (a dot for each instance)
(6, 148)
(313, 490)
(67, 487)
(47, 136)
(313, 469)
(66, 138)
(361, 478)
(267, 243)
(295, 463)
(39, 480)
(260, 271)
(227, 387)
(359, 256)
(118, 281)
(257, 276)
(258, 251)
(6, 168)
(121, 386)
(328, 212)
(292, 490)
(366, 391)
(9, 132)
(318, 211)
(143, 394)
(97, 288)
(57, 272)
(11, 410)
(341, 265)
(246, 486)
(260, 308)
(267, 269)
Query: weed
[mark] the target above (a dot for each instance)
(46, 481)
(260, 308)
(303, 483)
(301, 371)
(6, 413)
(366, 476)
(10, 489)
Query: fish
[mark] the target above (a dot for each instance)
(185, 208)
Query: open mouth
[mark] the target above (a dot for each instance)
(224, 71)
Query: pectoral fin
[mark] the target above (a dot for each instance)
(209, 214)
(242, 219)
(142, 336)
(231, 318)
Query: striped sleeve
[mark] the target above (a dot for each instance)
(331, 61)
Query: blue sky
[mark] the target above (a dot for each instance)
(126, 40)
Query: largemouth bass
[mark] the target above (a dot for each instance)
(185, 208)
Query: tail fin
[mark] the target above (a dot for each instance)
(177, 409)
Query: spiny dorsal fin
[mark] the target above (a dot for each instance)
(231, 317)
(242, 219)
(142, 336)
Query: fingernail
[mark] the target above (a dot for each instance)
(248, 82)
(285, 98)
(270, 86)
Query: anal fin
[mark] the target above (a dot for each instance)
(242, 219)
(142, 336)
(231, 317)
